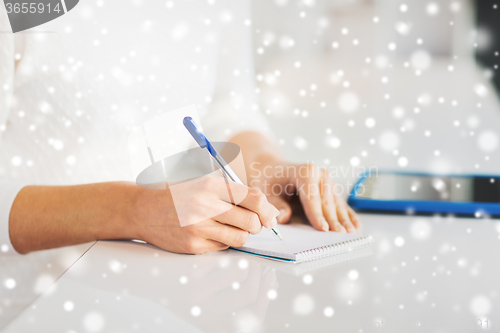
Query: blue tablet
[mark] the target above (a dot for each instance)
(477, 195)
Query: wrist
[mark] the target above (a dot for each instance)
(121, 214)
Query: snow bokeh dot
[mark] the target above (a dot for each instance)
(348, 102)
(480, 305)
(487, 141)
(303, 304)
(307, 279)
(16, 161)
(398, 112)
(481, 90)
(328, 312)
(300, 143)
(71, 160)
(399, 241)
(421, 60)
(402, 161)
(195, 311)
(370, 122)
(420, 229)
(243, 264)
(93, 322)
(43, 282)
(68, 306)
(388, 141)
(272, 294)
(355, 161)
(10, 283)
(432, 8)
(115, 266)
(247, 321)
(353, 275)
(333, 142)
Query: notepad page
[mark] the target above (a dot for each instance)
(297, 238)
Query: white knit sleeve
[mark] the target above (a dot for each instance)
(234, 108)
(7, 67)
(8, 189)
(8, 192)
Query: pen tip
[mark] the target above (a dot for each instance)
(277, 233)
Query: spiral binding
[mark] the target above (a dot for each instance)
(317, 265)
(334, 249)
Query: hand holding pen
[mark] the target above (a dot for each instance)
(222, 165)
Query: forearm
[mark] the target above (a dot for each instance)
(44, 217)
(261, 155)
(258, 151)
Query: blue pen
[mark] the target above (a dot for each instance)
(226, 170)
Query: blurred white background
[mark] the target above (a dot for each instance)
(390, 83)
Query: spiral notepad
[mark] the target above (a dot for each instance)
(303, 243)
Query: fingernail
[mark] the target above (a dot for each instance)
(277, 211)
(274, 223)
(325, 226)
(281, 212)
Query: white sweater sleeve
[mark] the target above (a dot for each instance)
(234, 108)
(7, 67)
(8, 189)
(8, 192)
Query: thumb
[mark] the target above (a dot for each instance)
(283, 207)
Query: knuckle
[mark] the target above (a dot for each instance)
(325, 200)
(341, 217)
(253, 223)
(193, 246)
(332, 217)
(347, 224)
(209, 183)
(190, 247)
(254, 192)
(324, 173)
(260, 201)
(240, 238)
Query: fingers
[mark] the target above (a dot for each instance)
(343, 215)
(354, 218)
(200, 245)
(310, 197)
(324, 209)
(285, 211)
(329, 205)
(211, 246)
(257, 202)
(241, 218)
(244, 196)
(225, 234)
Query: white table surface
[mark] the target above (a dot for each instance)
(32, 274)
(439, 273)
